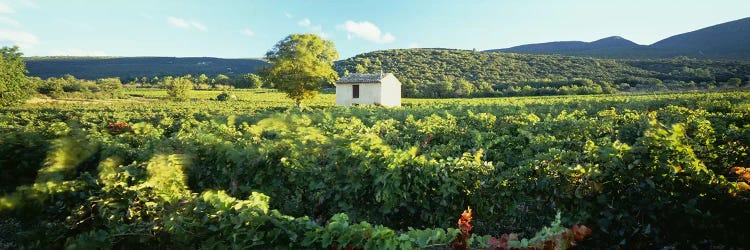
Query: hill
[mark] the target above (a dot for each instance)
(722, 41)
(445, 73)
(574, 47)
(130, 67)
(431, 65)
(727, 40)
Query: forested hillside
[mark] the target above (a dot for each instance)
(432, 65)
(446, 73)
(127, 68)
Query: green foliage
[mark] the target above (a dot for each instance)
(70, 87)
(54, 177)
(13, 83)
(112, 86)
(637, 169)
(431, 73)
(300, 64)
(221, 79)
(252, 81)
(178, 88)
(201, 79)
(734, 82)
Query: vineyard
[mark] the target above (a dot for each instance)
(641, 171)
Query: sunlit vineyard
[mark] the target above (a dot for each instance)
(639, 170)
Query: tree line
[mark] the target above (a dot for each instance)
(203, 82)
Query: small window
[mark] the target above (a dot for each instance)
(355, 91)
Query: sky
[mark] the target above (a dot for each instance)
(249, 28)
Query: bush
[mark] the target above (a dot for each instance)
(202, 86)
(111, 86)
(734, 82)
(253, 80)
(178, 88)
(226, 96)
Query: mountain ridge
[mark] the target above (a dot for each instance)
(721, 41)
(129, 67)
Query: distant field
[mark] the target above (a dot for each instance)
(257, 98)
(243, 94)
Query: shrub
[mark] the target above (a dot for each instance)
(226, 96)
(178, 88)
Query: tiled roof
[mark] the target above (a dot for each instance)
(361, 78)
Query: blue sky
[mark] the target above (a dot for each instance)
(245, 29)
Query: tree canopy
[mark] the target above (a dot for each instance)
(12, 77)
(300, 64)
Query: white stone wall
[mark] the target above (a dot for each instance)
(369, 93)
(391, 91)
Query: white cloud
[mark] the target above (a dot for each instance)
(388, 37)
(289, 16)
(5, 9)
(313, 28)
(304, 22)
(247, 32)
(198, 26)
(366, 30)
(23, 39)
(77, 52)
(179, 22)
(413, 45)
(9, 21)
(186, 24)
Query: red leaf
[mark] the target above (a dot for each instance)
(580, 232)
(738, 170)
(745, 176)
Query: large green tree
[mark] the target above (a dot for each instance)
(300, 64)
(12, 77)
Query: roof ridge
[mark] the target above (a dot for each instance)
(362, 78)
